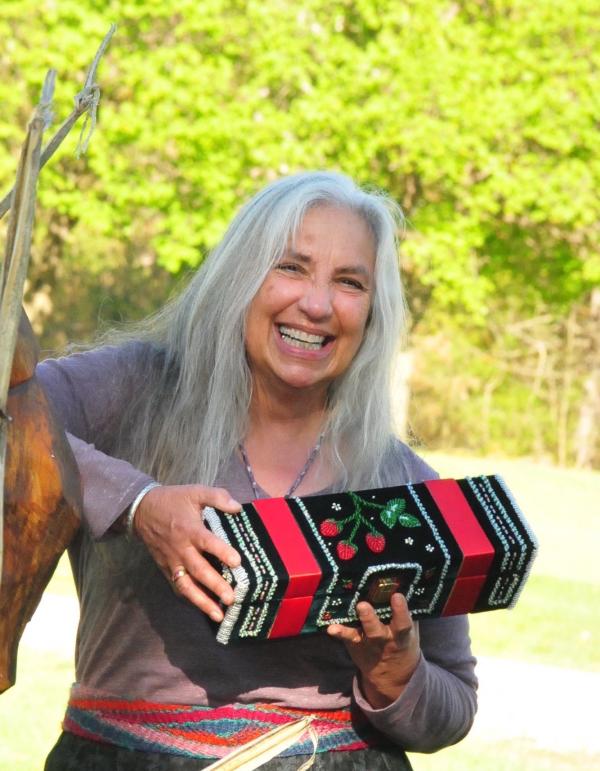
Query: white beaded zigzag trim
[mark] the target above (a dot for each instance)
(509, 521)
(515, 578)
(241, 578)
(443, 547)
(256, 615)
(333, 564)
(529, 531)
(503, 589)
(501, 533)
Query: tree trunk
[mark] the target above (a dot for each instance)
(586, 434)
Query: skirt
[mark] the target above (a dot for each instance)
(74, 753)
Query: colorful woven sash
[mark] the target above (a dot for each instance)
(207, 732)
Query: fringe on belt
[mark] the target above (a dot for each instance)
(208, 732)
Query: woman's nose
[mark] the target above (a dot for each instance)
(316, 301)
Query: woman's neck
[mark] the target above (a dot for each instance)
(290, 408)
(280, 437)
(284, 428)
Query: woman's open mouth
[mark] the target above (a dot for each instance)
(305, 340)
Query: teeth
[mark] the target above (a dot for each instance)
(304, 337)
(301, 343)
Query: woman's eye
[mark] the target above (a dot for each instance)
(353, 283)
(288, 267)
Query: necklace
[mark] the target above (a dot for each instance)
(313, 454)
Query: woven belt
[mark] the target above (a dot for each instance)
(207, 732)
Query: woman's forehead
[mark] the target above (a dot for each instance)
(327, 224)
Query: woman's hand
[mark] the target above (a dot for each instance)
(169, 521)
(386, 654)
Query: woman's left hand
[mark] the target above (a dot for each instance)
(386, 654)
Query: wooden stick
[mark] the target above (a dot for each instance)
(85, 102)
(21, 198)
(16, 261)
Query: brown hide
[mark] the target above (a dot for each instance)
(42, 500)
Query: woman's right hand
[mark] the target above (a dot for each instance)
(169, 521)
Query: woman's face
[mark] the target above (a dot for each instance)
(308, 318)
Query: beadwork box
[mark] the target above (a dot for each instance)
(450, 546)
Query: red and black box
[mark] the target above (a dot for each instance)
(450, 546)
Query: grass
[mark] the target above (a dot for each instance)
(554, 623)
(502, 756)
(62, 580)
(32, 710)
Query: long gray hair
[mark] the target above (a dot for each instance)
(192, 408)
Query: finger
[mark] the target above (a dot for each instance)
(217, 497)
(372, 626)
(186, 587)
(401, 619)
(207, 541)
(346, 634)
(205, 574)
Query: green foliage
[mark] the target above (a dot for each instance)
(479, 116)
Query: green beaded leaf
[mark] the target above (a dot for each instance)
(408, 520)
(389, 516)
(395, 513)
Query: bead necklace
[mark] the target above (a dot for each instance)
(297, 481)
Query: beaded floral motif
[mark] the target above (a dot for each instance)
(391, 514)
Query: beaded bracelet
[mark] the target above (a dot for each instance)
(134, 507)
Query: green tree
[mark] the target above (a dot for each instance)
(479, 116)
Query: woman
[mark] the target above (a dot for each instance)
(268, 376)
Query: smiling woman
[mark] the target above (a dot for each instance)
(268, 376)
(308, 319)
(303, 329)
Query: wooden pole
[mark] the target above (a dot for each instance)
(16, 261)
(86, 102)
(21, 199)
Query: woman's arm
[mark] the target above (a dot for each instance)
(109, 485)
(88, 392)
(437, 705)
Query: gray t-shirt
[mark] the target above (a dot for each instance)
(137, 639)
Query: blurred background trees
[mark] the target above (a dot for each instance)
(481, 117)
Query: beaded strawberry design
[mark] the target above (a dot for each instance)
(390, 514)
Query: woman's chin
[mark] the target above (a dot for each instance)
(304, 381)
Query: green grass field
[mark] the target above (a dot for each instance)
(502, 756)
(555, 623)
